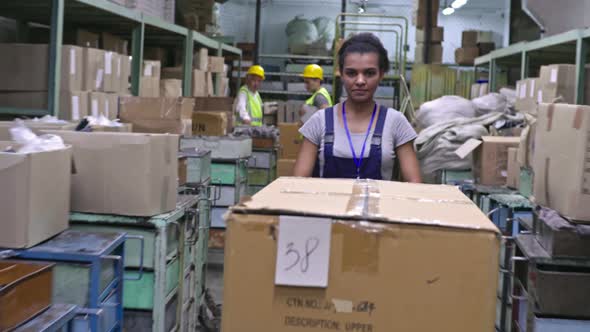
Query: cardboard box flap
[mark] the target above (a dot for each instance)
(467, 147)
(382, 201)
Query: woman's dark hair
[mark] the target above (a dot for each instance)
(364, 43)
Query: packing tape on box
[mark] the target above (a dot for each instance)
(578, 118)
(365, 199)
(550, 111)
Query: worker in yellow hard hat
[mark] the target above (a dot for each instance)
(313, 75)
(248, 104)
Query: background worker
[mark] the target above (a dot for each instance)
(313, 75)
(248, 104)
(358, 138)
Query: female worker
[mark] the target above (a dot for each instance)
(313, 76)
(248, 104)
(358, 138)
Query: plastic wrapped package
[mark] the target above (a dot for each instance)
(29, 142)
(49, 119)
(300, 34)
(444, 109)
(510, 95)
(492, 102)
(326, 31)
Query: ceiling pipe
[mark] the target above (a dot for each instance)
(525, 8)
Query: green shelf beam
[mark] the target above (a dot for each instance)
(24, 111)
(111, 7)
(163, 25)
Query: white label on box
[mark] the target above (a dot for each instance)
(522, 93)
(147, 71)
(540, 96)
(553, 78)
(94, 108)
(106, 109)
(75, 108)
(532, 89)
(303, 251)
(99, 74)
(108, 63)
(119, 67)
(72, 61)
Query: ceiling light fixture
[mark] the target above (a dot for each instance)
(458, 4)
(448, 11)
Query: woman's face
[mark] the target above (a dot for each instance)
(361, 76)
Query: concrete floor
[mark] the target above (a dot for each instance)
(214, 276)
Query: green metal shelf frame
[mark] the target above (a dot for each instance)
(108, 17)
(575, 44)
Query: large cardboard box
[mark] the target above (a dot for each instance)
(93, 69)
(465, 56)
(158, 115)
(170, 88)
(98, 104)
(201, 59)
(527, 95)
(73, 105)
(469, 38)
(490, 158)
(434, 56)
(210, 123)
(513, 179)
(561, 160)
(558, 81)
(25, 67)
(285, 167)
(290, 140)
(34, 204)
(149, 87)
(198, 79)
(436, 35)
(112, 72)
(215, 64)
(111, 107)
(152, 69)
(123, 173)
(359, 269)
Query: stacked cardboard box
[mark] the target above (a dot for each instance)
(435, 52)
(83, 71)
(490, 158)
(163, 9)
(528, 95)
(479, 90)
(513, 177)
(197, 14)
(214, 123)
(150, 79)
(561, 160)
(347, 284)
(158, 115)
(290, 141)
(466, 54)
(420, 13)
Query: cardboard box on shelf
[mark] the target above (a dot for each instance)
(158, 115)
(436, 35)
(484, 37)
(513, 179)
(112, 72)
(149, 87)
(209, 84)
(349, 278)
(96, 104)
(123, 173)
(82, 38)
(210, 123)
(526, 147)
(170, 88)
(435, 53)
(558, 83)
(73, 104)
(111, 106)
(198, 79)
(124, 84)
(560, 160)
(419, 15)
(469, 39)
(285, 167)
(152, 69)
(35, 206)
(490, 158)
(201, 59)
(465, 56)
(290, 140)
(222, 89)
(26, 67)
(527, 92)
(93, 69)
(215, 64)
(479, 90)
(485, 48)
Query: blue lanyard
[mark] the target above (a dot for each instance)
(358, 161)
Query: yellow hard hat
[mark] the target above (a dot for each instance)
(313, 71)
(256, 70)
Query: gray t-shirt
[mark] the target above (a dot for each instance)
(397, 131)
(319, 100)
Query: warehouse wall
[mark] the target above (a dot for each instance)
(236, 20)
(561, 16)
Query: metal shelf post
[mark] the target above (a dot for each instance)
(136, 57)
(581, 56)
(189, 47)
(54, 83)
(524, 65)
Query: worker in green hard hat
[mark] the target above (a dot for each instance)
(248, 105)
(313, 75)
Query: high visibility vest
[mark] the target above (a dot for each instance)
(254, 106)
(324, 93)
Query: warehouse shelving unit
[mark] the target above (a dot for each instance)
(109, 17)
(569, 47)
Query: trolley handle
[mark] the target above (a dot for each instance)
(142, 246)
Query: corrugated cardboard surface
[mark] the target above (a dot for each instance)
(201, 59)
(490, 160)
(434, 56)
(561, 160)
(285, 167)
(158, 115)
(27, 66)
(34, 204)
(436, 35)
(97, 103)
(93, 69)
(123, 173)
(466, 55)
(513, 179)
(558, 81)
(469, 38)
(112, 72)
(170, 88)
(210, 123)
(290, 140)
(214, 104)
(528, 95)
(424, 259)
(149, 87)
(215, 64)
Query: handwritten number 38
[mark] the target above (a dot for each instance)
(310, 246)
